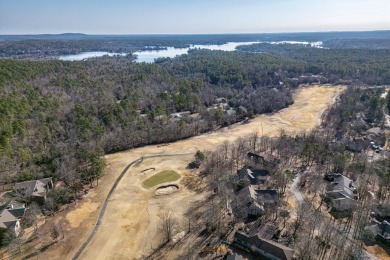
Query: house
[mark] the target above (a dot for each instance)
(268, 197)
(381, 211)
(181, 114)
(266, 160)
(264, 247)
(246, 200)
(381, 231)
(253, 177)
(253, 202)
(10, 215)
(220, 100)
(35, 190)
(230, 112)
(267, 231)
(342, 193)
(332, 176)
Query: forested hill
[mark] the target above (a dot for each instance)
(57, 118)
(366, 65)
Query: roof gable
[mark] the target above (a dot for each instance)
(10, 213)
(344, 186)
(276, 249)
(253, 176)
(37, 188)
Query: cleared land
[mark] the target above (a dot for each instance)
(129, 229)
(161, 177)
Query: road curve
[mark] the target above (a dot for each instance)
(105, 203)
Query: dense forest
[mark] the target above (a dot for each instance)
(364, 65)
(59, 117)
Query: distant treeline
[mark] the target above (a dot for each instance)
(46, 46)
(365, 65)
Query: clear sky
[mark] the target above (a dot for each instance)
(191, 16)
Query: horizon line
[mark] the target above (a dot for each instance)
(171, 34)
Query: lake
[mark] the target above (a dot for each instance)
(149, 56)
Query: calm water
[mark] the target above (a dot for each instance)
(87, 55)
(149, 56)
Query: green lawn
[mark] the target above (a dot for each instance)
(161, 177)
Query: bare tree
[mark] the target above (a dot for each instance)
(54, 231)
(168, 224)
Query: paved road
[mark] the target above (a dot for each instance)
(103, 208)
(295, 190)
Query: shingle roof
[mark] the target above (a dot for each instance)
(33, 188)
(17, 213)
(253, 176)
(383, 210)
(267, 231)
(384, 229)
(10, 213)
(248, 194)
(343, 186)
(25, 188)
(248, 197)
(276, 249)
(267, 196)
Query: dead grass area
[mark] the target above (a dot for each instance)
(193, 183)
(129, 227)
(379, 251)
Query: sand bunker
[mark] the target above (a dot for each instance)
(148, 170)
(166, 189)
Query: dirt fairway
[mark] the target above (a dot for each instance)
(128, 229)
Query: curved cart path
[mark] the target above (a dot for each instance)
(127, 233)
(104, 206)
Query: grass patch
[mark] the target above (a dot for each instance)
(161, 177)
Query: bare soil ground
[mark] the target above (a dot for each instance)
(129, 227)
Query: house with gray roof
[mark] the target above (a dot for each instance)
(265, 160)
(246, 203)
(253, 202)
(36, 190)
(381, 211)
(381, 231)
(253, 176)
(10, 215)
(342, 193)
(264, 247)
(230, 112)
(269, 198)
